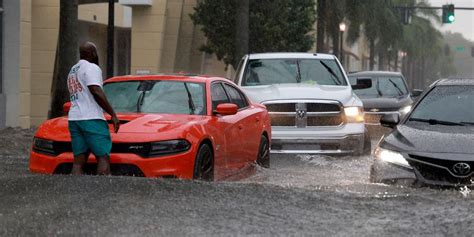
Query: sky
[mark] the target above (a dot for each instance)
(464, 22)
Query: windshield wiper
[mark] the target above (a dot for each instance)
(298, 72)
(190, 99)
(467, 123)
(435, 122)
(400, 92)
(332, 72)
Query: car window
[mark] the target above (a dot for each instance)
(236, 97)
(279, 71)
(447, 103)
(165, 97)
(219, 95)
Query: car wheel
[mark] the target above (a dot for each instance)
(263, 158)
(204, 164)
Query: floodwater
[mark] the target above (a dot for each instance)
(298, 195)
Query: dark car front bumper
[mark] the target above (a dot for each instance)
(421, 174)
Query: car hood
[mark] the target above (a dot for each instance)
(385, 102)
(133, 127)
(432, 140)
(302, 91)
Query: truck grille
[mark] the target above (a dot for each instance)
(304, 114)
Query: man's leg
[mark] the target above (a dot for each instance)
(103, 165)
(79, 162)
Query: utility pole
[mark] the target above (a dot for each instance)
(110, 39)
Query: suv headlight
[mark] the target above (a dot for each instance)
(354, 114)
(392, 157)
(168, 147)
(43, 146)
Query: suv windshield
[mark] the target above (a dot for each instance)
(279, 71)
(165, 97)
(448, 104)
(381, 86)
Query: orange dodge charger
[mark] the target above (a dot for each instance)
(183, 126)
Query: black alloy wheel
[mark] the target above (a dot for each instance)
(204, 164)
(263, 158)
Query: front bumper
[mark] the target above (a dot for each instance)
(341, 140)
(384, 172)
(178, 165)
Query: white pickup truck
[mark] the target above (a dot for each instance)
(312, 106)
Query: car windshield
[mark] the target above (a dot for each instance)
(446, 104)
(279, 71)
(382, 86)
(164, 97)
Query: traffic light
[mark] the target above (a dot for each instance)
(448, 14)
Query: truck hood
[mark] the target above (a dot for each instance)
(301, 91)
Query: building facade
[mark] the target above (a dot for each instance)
(153, 36)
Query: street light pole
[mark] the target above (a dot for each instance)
(110, 40)
(342, 28)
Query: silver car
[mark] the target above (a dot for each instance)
(312, 106)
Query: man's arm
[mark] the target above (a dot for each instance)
(101, 99)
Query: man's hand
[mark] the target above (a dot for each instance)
(116, 123)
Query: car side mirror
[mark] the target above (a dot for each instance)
(362, 83)
(226, 109)
(66, 107)
(390, 120)
(416, 92)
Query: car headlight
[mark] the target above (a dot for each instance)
(405, 110)
(354, 114)
(392, 157)
(168, 147)
(43, 146)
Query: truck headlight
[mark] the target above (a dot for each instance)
(168, 147)
(392, 157)
(43, 146)
(405, 110)
(354, 114)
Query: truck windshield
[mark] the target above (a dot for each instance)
(383, 86)
(280, 71)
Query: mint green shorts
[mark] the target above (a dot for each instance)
(90, 136)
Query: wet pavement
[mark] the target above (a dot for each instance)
(298, 195)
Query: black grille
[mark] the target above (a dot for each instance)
(289, 119)
(324, 121)
(382, 109)
(278, 120)
(432, 172)
(284, 107)
(321, 107)
(115, 169)
(141, 149)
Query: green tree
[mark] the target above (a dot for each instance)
(274, 26)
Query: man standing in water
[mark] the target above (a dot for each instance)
(87, 125)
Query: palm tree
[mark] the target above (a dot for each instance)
(66, 55)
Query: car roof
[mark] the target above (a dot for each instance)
(375, 73)
(291, 55)
(170, 77)
(456, 82)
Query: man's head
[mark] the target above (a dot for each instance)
(88, 51)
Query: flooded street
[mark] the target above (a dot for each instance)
(303, 195)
